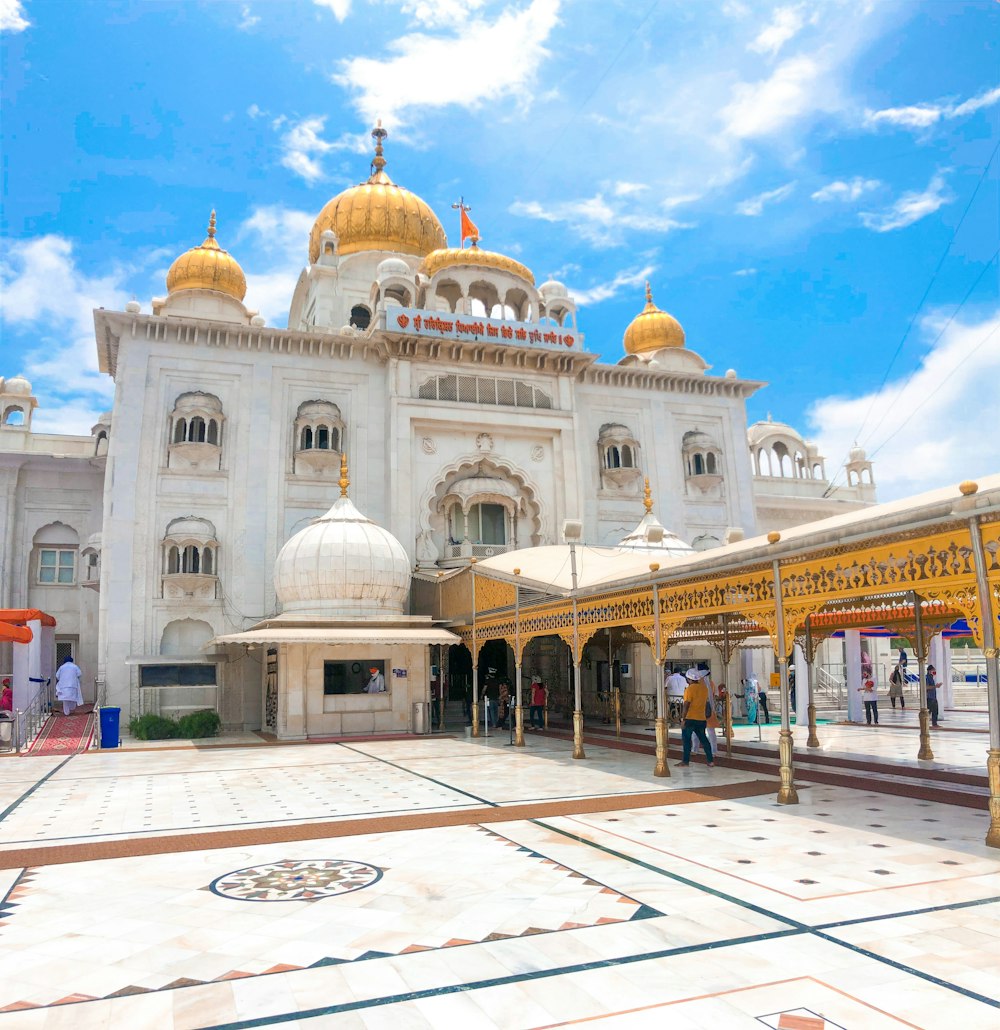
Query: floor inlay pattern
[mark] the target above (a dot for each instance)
(296, 880)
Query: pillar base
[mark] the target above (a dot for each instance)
(519, 726)
(662, 768)
(925, 754)
(787, 794)
(578, 735)
(475, 718)
(993, 773)
(813, 740)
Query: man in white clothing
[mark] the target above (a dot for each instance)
(676, 685)
(376, 685)
(68, 685)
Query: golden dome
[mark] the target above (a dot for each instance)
(378, 215)
(652, 329)
(208, 267)
(451, 256)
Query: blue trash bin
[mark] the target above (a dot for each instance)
(109, 727)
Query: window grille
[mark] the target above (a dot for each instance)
(484, 390)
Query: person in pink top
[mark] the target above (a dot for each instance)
(6, 696)
(536, 709)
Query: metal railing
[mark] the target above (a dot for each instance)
(28, 720)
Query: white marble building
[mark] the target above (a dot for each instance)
(473, 416)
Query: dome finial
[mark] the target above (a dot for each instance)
(211, 225)
(649, 293)
(344, 482)
(379, 135)
(647, 498)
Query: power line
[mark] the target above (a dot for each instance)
(992, 333)
(934, 342)
(913, 318)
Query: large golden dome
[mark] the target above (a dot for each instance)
(652, 329)
(208, 267)
(378, 215)
(451, 256)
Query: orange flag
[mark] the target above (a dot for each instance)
(469, 230)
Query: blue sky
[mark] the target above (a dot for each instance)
(812, 188)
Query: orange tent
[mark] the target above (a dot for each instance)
(19, 616)
(18, 634)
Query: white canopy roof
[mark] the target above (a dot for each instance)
(549, 569)
(339, 635)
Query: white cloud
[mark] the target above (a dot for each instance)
(12, 17)
(626, 189)
(935, 447)
(432, 70)
(47, 303)
(796, 87)
(606, 290)
(753, 206)
(278, 239)
(434, 13)
(340, 8)
(745, 271)
(910, 207)
(847, 190)
(786, 23)
(249, 19)
(597, 219)
(923, 116)
(302, 145)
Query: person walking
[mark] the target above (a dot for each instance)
(536, 710)
(896, 688)
(869, 695)
(695, 716)
(675, 686)
(68, 685)
(932, 701)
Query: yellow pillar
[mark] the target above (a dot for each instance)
(924, 754)
(578, 751)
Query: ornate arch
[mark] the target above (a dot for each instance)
(430, 519)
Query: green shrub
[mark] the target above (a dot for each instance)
(203, 723)
(153, 727)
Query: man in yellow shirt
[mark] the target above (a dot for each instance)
(695, 716)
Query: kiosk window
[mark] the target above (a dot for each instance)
(354, 676)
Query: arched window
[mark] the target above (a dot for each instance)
(13, 416)
(55, 548)
(698, 463)
(195, 432)
(484, 524)
(361, 316)
(318, 435)
(711, 464)
(620, 458)
(190, 559)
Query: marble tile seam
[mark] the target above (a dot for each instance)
(31, 790)
(788, 921)
(179, 842)
(500, 981)
(755, 883)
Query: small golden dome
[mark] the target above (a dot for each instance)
(208, 267)
(378, 215)
(652, 329)
(452, 256)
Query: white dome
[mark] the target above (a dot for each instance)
(18, 385)
(858, 453)
(343, 565)
(393, 266)
(551, 289)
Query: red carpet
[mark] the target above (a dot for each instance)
(64, 735)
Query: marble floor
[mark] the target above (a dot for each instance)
(441, 882)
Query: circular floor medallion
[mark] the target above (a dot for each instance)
(296, 880)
